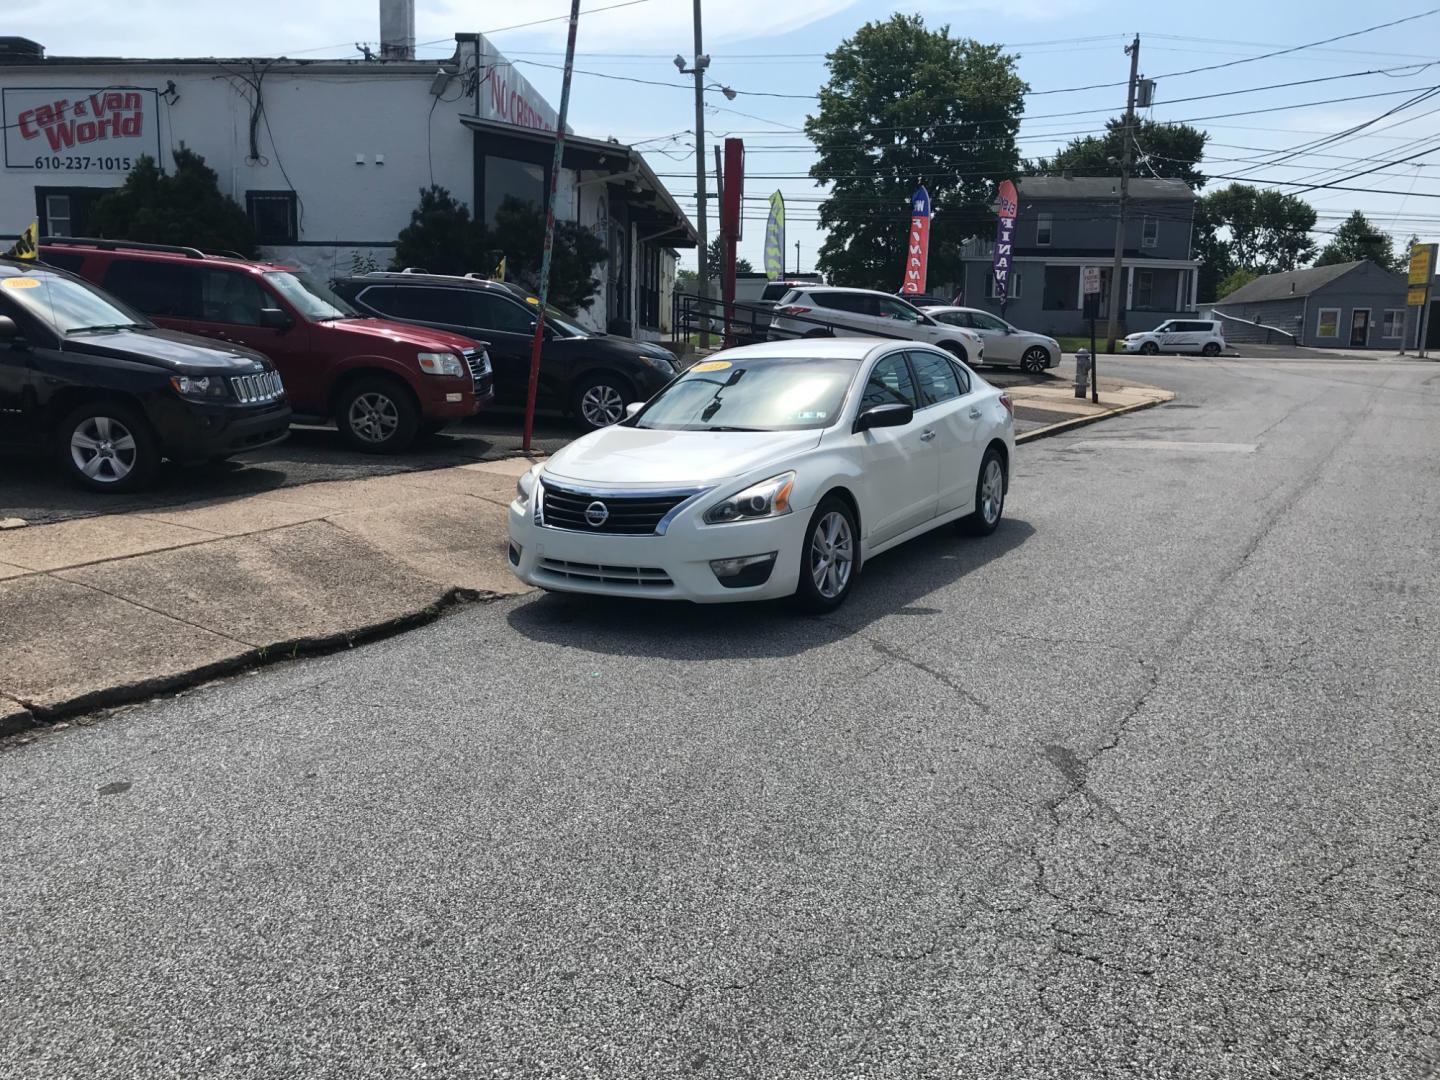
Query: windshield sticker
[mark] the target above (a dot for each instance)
(533, 300)
(21, 283)
(712, 365)
(811, 414)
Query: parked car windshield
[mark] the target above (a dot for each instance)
(309, 297)
(758, 394)
(68, 306)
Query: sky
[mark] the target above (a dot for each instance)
(773, 56)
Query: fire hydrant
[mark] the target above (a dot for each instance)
(1082, 371)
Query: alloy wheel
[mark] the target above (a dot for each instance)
(832, 555)
(992, 492)
(373, 417)
(103, 449)
(601, 405)
(1035, 361)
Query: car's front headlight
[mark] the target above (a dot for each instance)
(659, 363)
(767, 499)
(441, 363)
(525, 485)
(199, 386)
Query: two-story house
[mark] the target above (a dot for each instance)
(1067, 223)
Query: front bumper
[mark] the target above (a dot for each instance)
(193, 431)
(675, 566)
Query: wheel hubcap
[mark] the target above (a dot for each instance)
(602, 405)
(373, 417)
(992, 492)
(832, 555)
(1035, 360)
(103, 449)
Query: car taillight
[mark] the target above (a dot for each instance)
(1009, 405)
(794, 309)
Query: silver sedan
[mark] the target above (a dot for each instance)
(1004, 344)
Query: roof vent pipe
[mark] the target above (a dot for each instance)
(397, 29)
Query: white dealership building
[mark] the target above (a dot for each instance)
(328, 157)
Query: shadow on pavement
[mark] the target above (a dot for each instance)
(896, 583)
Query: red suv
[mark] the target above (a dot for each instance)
(381, 382)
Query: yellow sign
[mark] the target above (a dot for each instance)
(1415, 298)
(28, 246)
(20, 283)
(1421, 257)
(533, 300)
(712, 365)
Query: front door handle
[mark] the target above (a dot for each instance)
(974, 414)
(927, 435)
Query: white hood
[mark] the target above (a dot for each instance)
(621, 456)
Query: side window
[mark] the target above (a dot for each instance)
(488, 311)
(894, 309)
(163, 289)
(962, 375)
(890, 383)
(983, 321)
(840, 301)
(229, 296)
(379, 298)
(421, 305)
(955, 318)
(936, 376)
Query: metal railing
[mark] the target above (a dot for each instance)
(742, 324)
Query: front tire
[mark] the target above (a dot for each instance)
(828, 559)
(107, 446)
(599, 401)
(377, 416)
(989, 496)
(1150, 348)
(955, 349)
(1035, 361)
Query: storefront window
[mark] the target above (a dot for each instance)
(506, 178)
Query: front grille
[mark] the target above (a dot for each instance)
(594, 573)
(626, 515)
(478, 361)
(254, 389)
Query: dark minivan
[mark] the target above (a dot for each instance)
(590, 375)
(109, 394)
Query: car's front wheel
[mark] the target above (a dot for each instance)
(989, 496)
(955, 349)
(107, 446)
(827, 563)
(1149, 348)
(600, 401)
(1035, 360)
(377, 416)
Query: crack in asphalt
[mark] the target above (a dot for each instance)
(934, 673)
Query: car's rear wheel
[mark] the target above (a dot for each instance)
(600, 400)
(989, 496)
(376, 415)
(1210, 349)
(955, 349)
(827, 561)
(1035, 360)
(1149, 348)
(107, 446)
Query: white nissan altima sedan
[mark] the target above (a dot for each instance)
(769, 471)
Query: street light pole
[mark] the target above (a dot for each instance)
(702, 276)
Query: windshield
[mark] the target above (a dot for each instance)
(760, 394)
(312, 299)
(69, 307)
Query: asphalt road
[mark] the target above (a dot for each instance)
(1143, 785)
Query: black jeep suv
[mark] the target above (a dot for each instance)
(590, 375)
(110, 394)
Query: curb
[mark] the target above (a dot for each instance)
(32, 717)
(1082, 421)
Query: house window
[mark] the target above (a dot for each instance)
(1144, 288)
(1328, 324)
(1042, 230)
(57, 213)
(1015, 282)
(1062, 285)
(1150, 234)
(1394, 325)
(272, 216)
(66, 211)
(506, 178)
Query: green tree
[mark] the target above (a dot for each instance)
(184, 206)
(1169, 151)
(1211, 251)
(1357, 239)
(441, 237)
(903, 106)
(1402, 256)
(1266, 231)
(1235, 280)
(715, 260)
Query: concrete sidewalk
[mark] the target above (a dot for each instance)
(106, 609)
(1049, 408)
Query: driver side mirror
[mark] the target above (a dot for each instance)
(633, 408)
(879, 416)
(9, 332)
(275, 318)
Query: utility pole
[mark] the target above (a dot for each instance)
(702, 276)
(1117, 272)
(797, 256)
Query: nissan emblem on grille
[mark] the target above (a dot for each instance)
(596, 514)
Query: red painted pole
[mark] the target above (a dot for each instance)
(539, 341)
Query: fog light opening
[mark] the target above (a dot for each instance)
(515, 550)
(745, 571)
